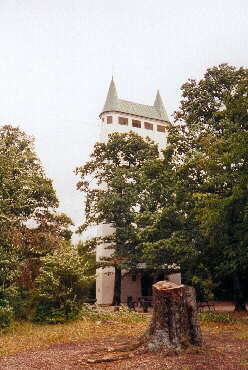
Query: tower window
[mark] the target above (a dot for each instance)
(109, 119)
(136, 123)
(148, 126)
(123, 121)
(160, 128)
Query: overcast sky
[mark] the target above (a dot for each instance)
(57, 58)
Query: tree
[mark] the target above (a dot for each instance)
(215, 111)
(29, 224)
(115, 194)
(202, 209)
(25, 191)
(166, 227)
(32, 243)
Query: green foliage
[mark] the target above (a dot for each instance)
(6, 316)
(115, 195)
(61, 285)
(212, 157)
(29, 225)
(204, 288)
(8, 289)
(24, 187)
(221, 318)
(88, 257)
(198, 211)
(8, 263)
(44, 314)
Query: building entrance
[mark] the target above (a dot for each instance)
(147, 281)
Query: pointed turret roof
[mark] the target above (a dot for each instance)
(159, 105)
(114, 104)
(112, 98)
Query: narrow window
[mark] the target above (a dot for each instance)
(109, 119)
(148, 126)
(136, 123)
(160, 128)
(123, 121)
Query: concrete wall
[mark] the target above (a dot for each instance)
(106, 128)
(130, 287)
(105, 285)
(104, 277)
(175, 278)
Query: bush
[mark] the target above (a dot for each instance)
(60, 286)
(19, 300)
(50, 315)
(6, 316)
(22, 305)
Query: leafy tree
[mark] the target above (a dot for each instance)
(25, 190)
(49, 232)
(113, 184)
(205, 207)
(166, 227)
(29, 224)
(215, 158)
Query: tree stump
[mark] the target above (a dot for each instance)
(174, 324)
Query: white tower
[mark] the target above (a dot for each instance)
(120, 115)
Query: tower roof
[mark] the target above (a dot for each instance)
(159, 105)
(111, 102)
(114, 104)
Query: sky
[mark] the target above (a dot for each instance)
(57, 58)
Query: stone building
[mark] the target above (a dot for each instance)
(120, 115)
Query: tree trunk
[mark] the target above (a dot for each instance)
(117, 287)
(174, 324)
(238, 294)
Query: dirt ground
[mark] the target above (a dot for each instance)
(219, 352)
(225, 348)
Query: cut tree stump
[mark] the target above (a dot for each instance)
(174, 323)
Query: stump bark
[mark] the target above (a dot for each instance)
(174, 323)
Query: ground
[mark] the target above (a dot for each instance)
(37, 347)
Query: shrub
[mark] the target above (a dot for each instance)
(6, 316)
(60, 286)
(23, 304)
(19, 300)
(52, 315)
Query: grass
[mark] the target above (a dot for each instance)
(242, 333)
(216, 317)
(123, 315)
(92, 325)
(25, 336)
